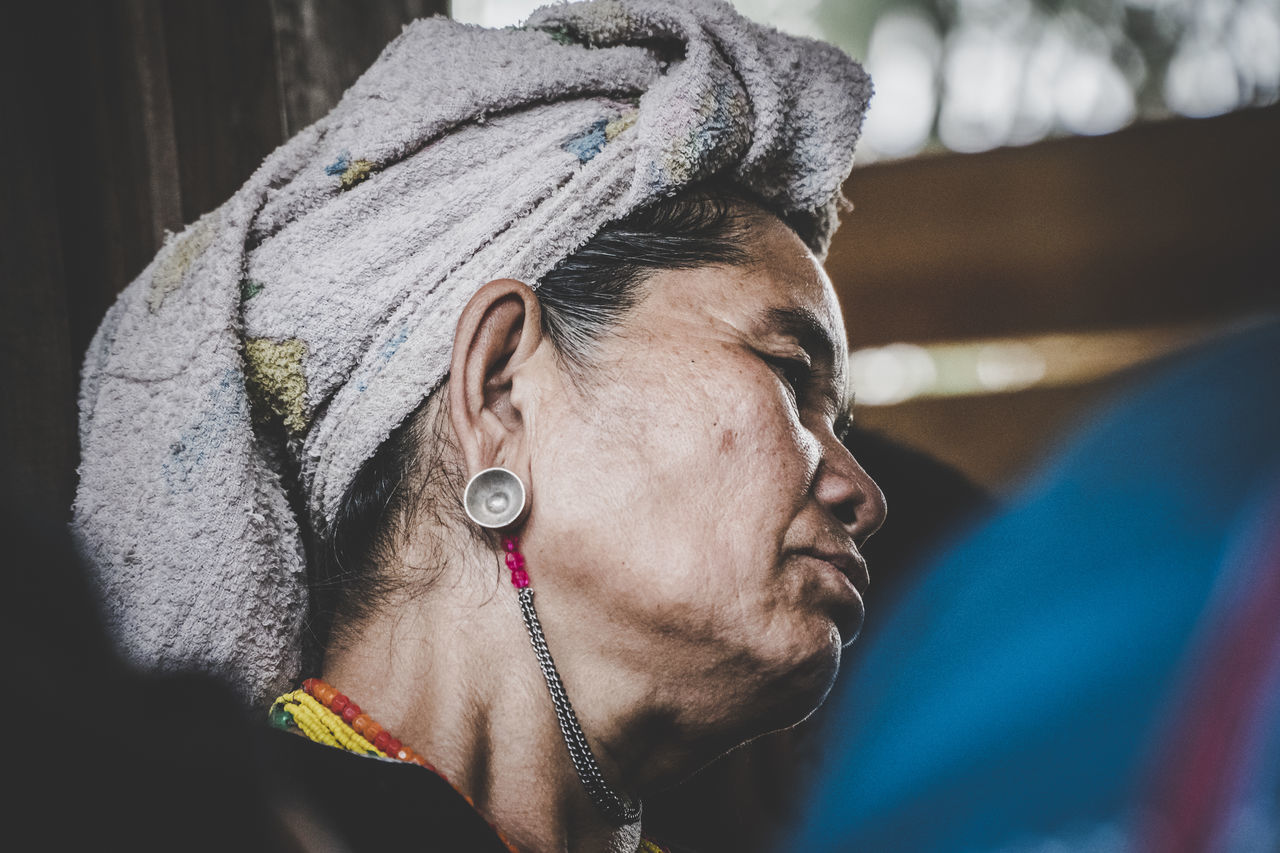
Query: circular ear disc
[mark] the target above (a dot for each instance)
(494, 498)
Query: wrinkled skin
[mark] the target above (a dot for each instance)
(674, 492)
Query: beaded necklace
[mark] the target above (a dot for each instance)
(326, 716)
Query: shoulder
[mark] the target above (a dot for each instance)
(370, 803)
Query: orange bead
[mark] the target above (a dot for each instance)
(405, 754)
(371, 731)
(360, 722)
(324, 693)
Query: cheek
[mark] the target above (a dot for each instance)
(681, 492)
(720, 469)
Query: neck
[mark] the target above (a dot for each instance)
(452, 673)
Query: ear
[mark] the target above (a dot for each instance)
(497, 334)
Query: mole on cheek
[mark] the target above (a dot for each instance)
(728, 439)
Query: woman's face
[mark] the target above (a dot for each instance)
(701, 514)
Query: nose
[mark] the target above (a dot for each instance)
(849, 493)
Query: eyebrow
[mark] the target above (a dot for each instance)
(814, 337)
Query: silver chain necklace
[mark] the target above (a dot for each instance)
(618, 808)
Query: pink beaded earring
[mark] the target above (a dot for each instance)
(515, 562)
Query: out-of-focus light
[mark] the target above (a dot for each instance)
(792, 16)
(903, 61)
(1009, 366)
(1255, 44)
(798, 17)
(1036, 116)
(886, 375)
(493, 13)
(1093, 96)
(1156, 5)
(1201, 81)
(989, 8)
(982, 74)
(883, 376)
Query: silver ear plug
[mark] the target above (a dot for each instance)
(494, 498)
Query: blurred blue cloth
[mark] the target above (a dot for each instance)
(1030, 690)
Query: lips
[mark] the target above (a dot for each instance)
(849, 563)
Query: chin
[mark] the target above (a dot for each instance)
(806, 682)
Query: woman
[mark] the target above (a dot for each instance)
(537, 309)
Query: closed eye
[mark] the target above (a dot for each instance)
(844, 423)
(796, 372)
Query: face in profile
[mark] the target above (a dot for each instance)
(693, 493)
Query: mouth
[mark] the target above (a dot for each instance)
(848, 563)
(851, 609)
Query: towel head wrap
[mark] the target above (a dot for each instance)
(324, 294)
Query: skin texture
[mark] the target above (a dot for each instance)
(674, 494)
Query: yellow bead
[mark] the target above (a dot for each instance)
(322, 725)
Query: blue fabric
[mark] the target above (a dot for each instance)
(1014, 694)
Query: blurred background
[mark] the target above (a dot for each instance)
(1048, 193)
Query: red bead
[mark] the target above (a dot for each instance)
(310, 686)
(339, 703)
(510, 544)
(350, 712)
(393, 746)
(382, 740)
(515, 561)
(519, 578)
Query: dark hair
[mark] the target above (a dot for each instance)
(583, 298)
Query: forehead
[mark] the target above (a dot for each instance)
(782, 289)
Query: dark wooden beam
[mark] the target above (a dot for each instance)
(1168, 222)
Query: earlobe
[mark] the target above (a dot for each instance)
(499, 331)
